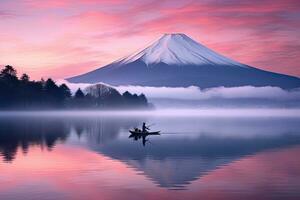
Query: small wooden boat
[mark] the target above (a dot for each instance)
(144, 133)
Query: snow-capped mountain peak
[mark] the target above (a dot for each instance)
(175, 60)
(179, 49)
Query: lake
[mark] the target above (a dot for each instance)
(90, 156)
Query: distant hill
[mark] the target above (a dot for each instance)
(176, 60)
(106, 96)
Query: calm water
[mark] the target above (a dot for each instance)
(81, 157)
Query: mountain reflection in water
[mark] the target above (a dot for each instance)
(188, 150)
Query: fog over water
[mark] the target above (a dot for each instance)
(198, 112)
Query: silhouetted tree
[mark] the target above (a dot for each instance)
(50, 86)
(26, 94)
(79, 94)
(133, 100)
(127, 95)
(9, 86)
(142, 99)
(52, 93)
(8, 71)
(24, 78)
(64, 89)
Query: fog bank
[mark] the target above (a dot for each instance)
(192, 95)
(196, 93)
(198, 112)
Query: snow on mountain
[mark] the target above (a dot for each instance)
(179, 49)
(175, 60)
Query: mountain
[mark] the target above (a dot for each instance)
(176, 60)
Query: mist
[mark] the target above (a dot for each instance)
(196, 93)
(188, 97)
(183, 112)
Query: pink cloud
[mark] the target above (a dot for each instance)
(55, 34)
(46, 4)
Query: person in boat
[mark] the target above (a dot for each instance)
(145, 128)
(137, 130)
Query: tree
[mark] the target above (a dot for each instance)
(65, 91)
(50, 85)
(112, 98)
(52, 95)
(127, 95)
(24, 78)
(8, 71)
(79, 94)
(133, 100)
(9, 86)
(26, 94)
(25, 91)
(143, 100)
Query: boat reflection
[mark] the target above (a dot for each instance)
(142, 136)
(137, 133)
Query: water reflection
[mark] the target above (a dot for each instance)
(175, 162)
(100, 130)
(187, 150)
(142, 136)
(23, 132)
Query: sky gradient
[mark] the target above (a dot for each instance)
(62, 38)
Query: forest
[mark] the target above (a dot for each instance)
(21, 93)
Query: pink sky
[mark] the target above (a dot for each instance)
(62, 38)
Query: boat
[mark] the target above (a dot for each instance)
(144, 133)
(138, 134)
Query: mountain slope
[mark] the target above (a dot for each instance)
(178, 49)
(175, 60)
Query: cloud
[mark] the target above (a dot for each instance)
(73, 86)
(50, 4)
(260, 33)
(6, 15)
(195, 93)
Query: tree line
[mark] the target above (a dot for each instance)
(23, 93)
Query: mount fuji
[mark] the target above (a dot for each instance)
(175, 60)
